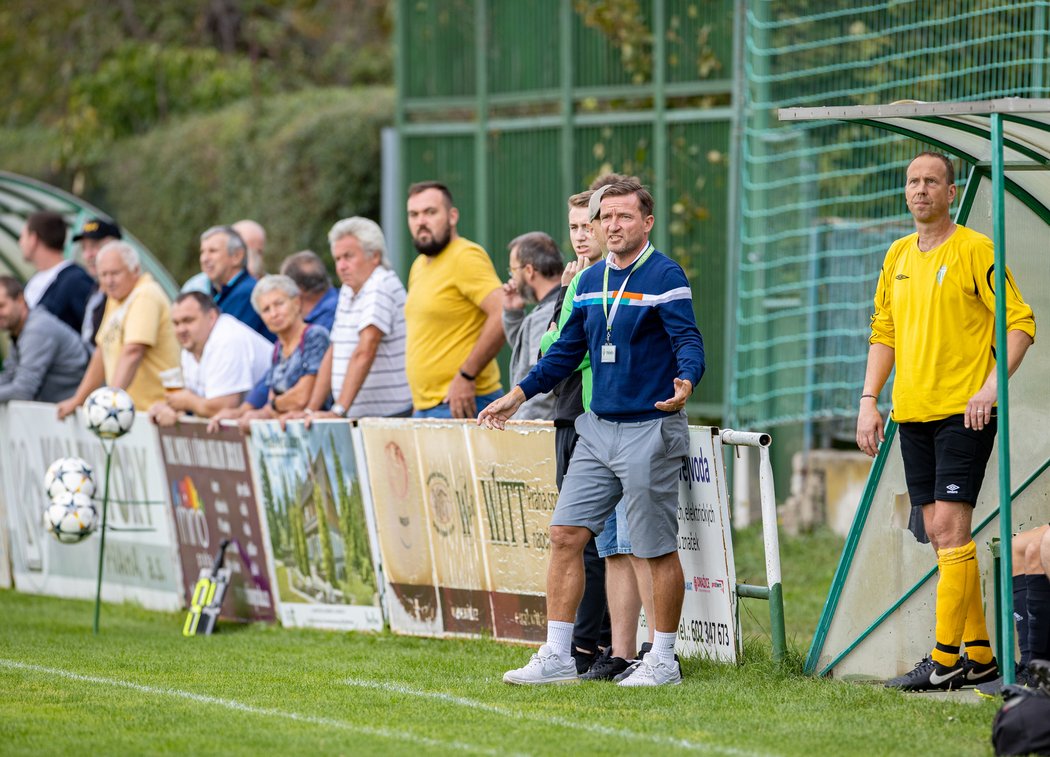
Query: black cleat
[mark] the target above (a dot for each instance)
(977, 673)
(995, 689)
(929, 675)
(1039, 675)
(583, 660)
(605, 668)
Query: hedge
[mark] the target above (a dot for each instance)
(295, 163)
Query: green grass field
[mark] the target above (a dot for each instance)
(140, 687)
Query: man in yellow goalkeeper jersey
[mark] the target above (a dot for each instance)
(934, 320)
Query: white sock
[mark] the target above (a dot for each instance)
(559, 638)
(663, 646)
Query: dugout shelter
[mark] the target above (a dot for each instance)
(20, 196)
(879, 614)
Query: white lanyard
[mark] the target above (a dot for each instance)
(611, 315)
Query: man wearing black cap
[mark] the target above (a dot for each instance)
(93, 235)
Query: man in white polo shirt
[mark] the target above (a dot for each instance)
(364, 368)
(222, 358)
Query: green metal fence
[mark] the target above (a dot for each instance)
(820, 202)
(517, 105)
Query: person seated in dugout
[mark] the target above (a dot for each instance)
(1031, 590)
(297, 355)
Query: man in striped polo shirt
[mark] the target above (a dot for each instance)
(633, 313)
(364, 368)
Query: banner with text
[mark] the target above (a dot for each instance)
(141, 560)
(515, 475)
(462, 518)
(5, 540)
(310, 497)
(396, 497)
(705, 546)
(211, 498)
(463, 514)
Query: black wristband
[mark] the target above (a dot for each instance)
(873, 396)
(466, 375)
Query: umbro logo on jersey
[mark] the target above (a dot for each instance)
(901, 276)
(952, 488)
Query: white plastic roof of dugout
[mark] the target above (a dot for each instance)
(878, 618)
(20, 196)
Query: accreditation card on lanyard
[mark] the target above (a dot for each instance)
(609, 349)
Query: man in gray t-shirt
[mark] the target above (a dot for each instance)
(47, 358)
(535, 271)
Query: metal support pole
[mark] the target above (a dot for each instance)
(770, 536)
(108, 448)
(568, 158)
(772, 542)
(1006, 639)
(661, 176)
(742, 488)
(734, 216)
(481, 134)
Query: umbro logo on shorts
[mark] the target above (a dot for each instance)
(952, 488)
(901, 276)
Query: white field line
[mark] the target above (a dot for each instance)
(232, 704)
(576, 725)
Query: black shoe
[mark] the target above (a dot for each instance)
(976, 673)
(995, 689)
(584, 660)
(1039, 675)
(929, 675)
(605, 668)
(632, 664)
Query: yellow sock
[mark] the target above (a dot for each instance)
(953, 590)
(975, 633)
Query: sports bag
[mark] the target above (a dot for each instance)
(1022, 725)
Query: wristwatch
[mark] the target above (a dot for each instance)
(338, 410)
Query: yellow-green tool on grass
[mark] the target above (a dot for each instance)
(206, 603)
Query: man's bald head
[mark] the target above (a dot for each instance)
(254, 236)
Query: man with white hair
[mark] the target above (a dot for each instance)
(364, 367)
(136, 340)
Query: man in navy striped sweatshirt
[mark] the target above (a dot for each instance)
(633, 313)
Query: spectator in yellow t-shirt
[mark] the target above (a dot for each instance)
(453, 312)
(136, 340)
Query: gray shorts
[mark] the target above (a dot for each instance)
(638, 462)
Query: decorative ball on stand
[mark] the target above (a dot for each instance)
(109, 412)
(71, 515)
(69, 474)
